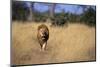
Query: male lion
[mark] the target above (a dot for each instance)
(43, 36)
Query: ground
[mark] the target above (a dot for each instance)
(75, 42)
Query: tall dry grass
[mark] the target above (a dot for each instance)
(75, 42)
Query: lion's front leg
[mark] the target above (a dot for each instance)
(44, 46)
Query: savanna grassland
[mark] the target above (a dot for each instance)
(75, 42)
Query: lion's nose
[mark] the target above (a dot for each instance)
(43, 34)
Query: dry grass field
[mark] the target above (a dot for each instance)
(75, 42)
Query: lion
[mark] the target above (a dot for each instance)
(43, 36)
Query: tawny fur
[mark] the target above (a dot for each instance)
(43, 36)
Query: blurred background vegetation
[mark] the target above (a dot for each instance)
(27, 11)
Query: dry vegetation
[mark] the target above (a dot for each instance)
(75, 42)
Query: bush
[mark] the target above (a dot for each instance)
(39, 17)
(59, 20)
(89, 17)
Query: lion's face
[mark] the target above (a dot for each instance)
(43, 33)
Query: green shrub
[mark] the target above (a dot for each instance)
(59, 19)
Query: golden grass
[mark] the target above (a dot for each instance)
(66, 44)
